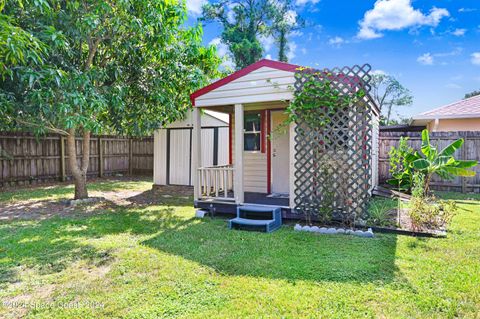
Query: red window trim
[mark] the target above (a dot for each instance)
(269, 153)
(263, 117)
(230, 152)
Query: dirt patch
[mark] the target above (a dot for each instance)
(43, 209)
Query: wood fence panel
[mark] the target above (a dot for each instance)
(142, 155)
(26, 159)
(469, 151)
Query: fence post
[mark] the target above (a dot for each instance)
(130, 156)
(100, 157)
(464, 157)
(62, 159)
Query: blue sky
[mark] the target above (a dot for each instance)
(432, 47)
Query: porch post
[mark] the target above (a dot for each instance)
(196, 151)
(292, 166)
(238, 161)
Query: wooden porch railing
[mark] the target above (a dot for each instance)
(216, 182)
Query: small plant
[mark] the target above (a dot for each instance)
(401, 166)
(404, 162)
(380, 212)
(418, 182)
(327, 169)
(424, 213)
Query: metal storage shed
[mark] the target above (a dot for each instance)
(173, 148)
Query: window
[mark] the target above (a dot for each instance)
(252, 132)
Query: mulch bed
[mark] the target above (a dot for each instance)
(401, 218)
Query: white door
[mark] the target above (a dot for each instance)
(280, 154)
(179, 157)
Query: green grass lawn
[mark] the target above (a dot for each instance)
(157, 261)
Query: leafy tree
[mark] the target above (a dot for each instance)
(389, 93)
(395, 121)
(244, 21)
(18, 49)
(285, 20)
(472, 94)
(110, 67)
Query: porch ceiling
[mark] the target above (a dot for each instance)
(249, 106)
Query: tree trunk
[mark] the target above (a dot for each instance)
(389, 112)
(79, 173)
(282, 47)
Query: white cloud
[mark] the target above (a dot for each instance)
(467, 10)
(268, 56)
(194, 7)
(231, 12)
(459, 32)
(296, 33)
(475, 58)
(456, 51)
(396, 15)
(223, 52)
(425, 59)
(290, 17)
(304, 2)
(267, 42)
(292, 47)
(453, 86)
(378, 72)
(336, 41)
(304, 51)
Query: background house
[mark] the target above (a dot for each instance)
(463, 115)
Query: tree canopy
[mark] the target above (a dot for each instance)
(285, 21)
(472, 94)
(126, 66)
(97, 66)
(388, 93)
(245, 21)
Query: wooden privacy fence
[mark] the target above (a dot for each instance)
(26, 159)
(469, 151)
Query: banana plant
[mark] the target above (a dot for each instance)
(430, 161)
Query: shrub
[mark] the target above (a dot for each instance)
(380, 212)
(401, 167)
(425, 213)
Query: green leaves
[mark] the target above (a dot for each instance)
(427, 149)
(109, 67)
(421, 164)
(442, 164)
(458, 171)
(450, 149)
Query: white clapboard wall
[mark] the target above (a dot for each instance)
(173, 149)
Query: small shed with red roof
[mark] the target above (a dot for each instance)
(261, 160)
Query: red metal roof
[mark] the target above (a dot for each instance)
(238, 74)
(467, 108)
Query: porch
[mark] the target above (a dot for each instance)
(259, 170)
(216, 185)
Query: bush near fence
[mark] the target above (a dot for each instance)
(469, 151)
(26, 159)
